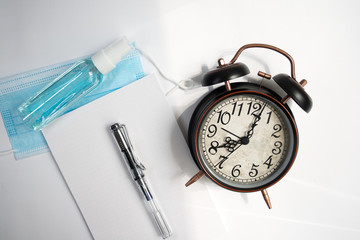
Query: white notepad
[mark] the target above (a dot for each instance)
(89, 159)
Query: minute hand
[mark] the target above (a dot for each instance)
(254, 124)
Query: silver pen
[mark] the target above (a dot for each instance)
(137, 172)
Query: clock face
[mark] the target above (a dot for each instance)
(246, 141)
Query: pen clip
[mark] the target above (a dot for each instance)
(124, 132)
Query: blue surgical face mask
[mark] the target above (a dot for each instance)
(16, 89)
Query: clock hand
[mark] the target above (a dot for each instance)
(231, 133)
(224, 158)
(229, 141)
(230, 144)
(254, 124)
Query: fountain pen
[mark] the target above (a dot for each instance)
(136, 170)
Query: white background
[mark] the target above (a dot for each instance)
(319, 198)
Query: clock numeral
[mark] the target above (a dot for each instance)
(277, 149)
(256, 107)
(254, 171)
(222, 160)
(268, 162)
(268, 120)
(224, 118)
(277, 128)
(235, 106)
(250, 105)
(213, 148)
(212, 130)
(235, 172)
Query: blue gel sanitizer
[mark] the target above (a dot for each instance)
(56, 98)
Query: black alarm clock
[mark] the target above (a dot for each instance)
(242, 135)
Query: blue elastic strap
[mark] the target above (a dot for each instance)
(16, 89)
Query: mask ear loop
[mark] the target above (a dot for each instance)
(7, 152)
(185, 84)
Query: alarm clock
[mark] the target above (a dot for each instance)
(243, 136)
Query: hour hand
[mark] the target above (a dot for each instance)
(230, 144)
(241, 141)
(231, 133)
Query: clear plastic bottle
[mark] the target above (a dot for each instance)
(54, 99)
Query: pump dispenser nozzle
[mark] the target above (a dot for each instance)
(106, 59)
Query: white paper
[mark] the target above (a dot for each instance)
(90, 161)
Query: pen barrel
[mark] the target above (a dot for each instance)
(136, 171)
(119, 137)
(159, 219)
(161, 224)
(128, 156)
(144, 188)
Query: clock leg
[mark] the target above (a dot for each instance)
(195, 178)
(266, 198)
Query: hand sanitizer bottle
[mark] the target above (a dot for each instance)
(53, 100)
